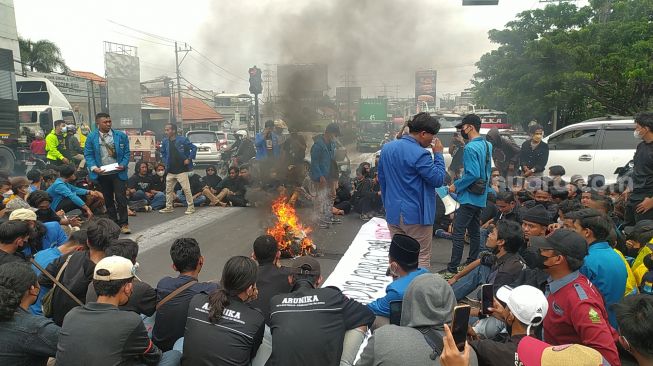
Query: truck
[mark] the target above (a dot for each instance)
(373, 125)
(40, 103)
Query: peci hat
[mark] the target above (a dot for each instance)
(333, 128)
(305, 265)
(568, 242)
(404, 249)
(114, 268)
(23, 214)
(537, 214)
(533, 352)
(527, 303)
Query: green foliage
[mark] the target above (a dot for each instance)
(41, 56)
(586, 62)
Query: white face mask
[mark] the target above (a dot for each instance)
(637, 135)
(160, 173)
(63, 129)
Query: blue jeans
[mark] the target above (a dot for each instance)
(464, 286)
(196, 202)
(170, 358)
(467, 219)
(483, 238)
(157, 202)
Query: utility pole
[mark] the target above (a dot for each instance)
(186, 49)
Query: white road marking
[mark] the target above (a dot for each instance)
(168, 231)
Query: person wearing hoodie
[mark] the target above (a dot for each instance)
(505, 153)
(211, 182)
(428, 305)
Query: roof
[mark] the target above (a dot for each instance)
(89, 75)
(192, 109)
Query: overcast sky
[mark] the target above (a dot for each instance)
(378, 42)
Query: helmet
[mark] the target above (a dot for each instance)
(241, 133)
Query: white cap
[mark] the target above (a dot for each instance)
(527, 303)
(114, 268)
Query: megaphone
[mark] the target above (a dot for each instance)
(450, 204)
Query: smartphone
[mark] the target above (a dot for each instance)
(487, 298)
(460, 324)
(395, 312)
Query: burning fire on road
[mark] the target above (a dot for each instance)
(292, 237)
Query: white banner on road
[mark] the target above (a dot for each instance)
(361, 273)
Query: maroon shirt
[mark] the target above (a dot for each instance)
(577, 315)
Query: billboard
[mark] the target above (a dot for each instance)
(348, 94)
(124, 89)
(302, 79)
(425, 85)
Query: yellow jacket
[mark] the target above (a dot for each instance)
(52, 146)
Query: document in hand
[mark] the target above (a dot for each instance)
(109, 167)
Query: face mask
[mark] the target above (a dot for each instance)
(533, 258)
(64, 129)
(464, 134)
(42, 212)
(8, 194)
(637, 135)
(160, 173)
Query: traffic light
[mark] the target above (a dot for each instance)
(255, 81)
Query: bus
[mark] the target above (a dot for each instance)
(447, 119)
(491, 118)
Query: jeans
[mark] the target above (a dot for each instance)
(158, 201)
(115, 197)
(467, 219)
(198, 201)
(170, 358)
(489, 327)
(464, 286)
(483, 238)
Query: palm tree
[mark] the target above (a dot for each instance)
(41, 56)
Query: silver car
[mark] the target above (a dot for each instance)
(208, 145)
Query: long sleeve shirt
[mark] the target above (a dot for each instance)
(60, 190)
(476, 165)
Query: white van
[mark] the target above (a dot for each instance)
(40, 103)
(597, 146)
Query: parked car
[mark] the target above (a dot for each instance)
(225, 139)
(596, 146)
(208, 145)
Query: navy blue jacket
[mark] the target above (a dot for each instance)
(186, 149)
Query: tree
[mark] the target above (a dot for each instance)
(41, 56)
(583, 62)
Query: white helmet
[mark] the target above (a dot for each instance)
(241, 133)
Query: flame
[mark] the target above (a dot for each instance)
(291, 235)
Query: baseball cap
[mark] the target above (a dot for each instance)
(470, 119)
(568, 242)
(577, 178)
(527, 303)
(114, 268)
(533, 352)
(305, 265)
(333, 128)
(23, 214)
(641, 227)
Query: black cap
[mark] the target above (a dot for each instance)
(583, 214)
(333, 128)
(305, 265)
(641, 227)
(404, 249)
(470, 119)
(537, 214)
(567, 242)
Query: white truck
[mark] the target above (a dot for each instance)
(40, 103)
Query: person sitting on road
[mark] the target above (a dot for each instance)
(42, 235)
(402, 257)
(313, 332)
(49, 176)
(222, 326)
(139, 187)
(196, 188)
(13, 237)
(428, 305)
(170, 319)
(35, 178)
(211, 181)
(158, 181)
(27, 339)
(143, 298)
(20, 187)
(634, 316)
(232, 189)
(41, 201)
(272, 278)
(67, 197)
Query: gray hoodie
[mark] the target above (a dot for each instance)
(428, 301)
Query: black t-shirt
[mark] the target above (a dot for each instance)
(158, 183)
(10, 258)
(308, 325)
(643, 172)
(170, 318)
(271, 281)
(233, 340)
(175, 159)
(140, 183)
(47, 215)
(491, 353)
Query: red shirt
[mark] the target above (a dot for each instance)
(577, 315)
(38, 147)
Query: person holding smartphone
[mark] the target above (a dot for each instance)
(427, 307)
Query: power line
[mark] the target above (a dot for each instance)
(172, 41)
(218, 66)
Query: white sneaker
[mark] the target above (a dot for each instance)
(167, 210)
(190, 211)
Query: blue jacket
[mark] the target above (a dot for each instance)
(262, 150)
(473, 164)
(605, 269)
(28, 339)
(322, 153)
(394, 292)
(60, 190)
(93, 154)
(409, 175)
(186, 149)
(43, 258)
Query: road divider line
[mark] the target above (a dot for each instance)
(167, 232)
